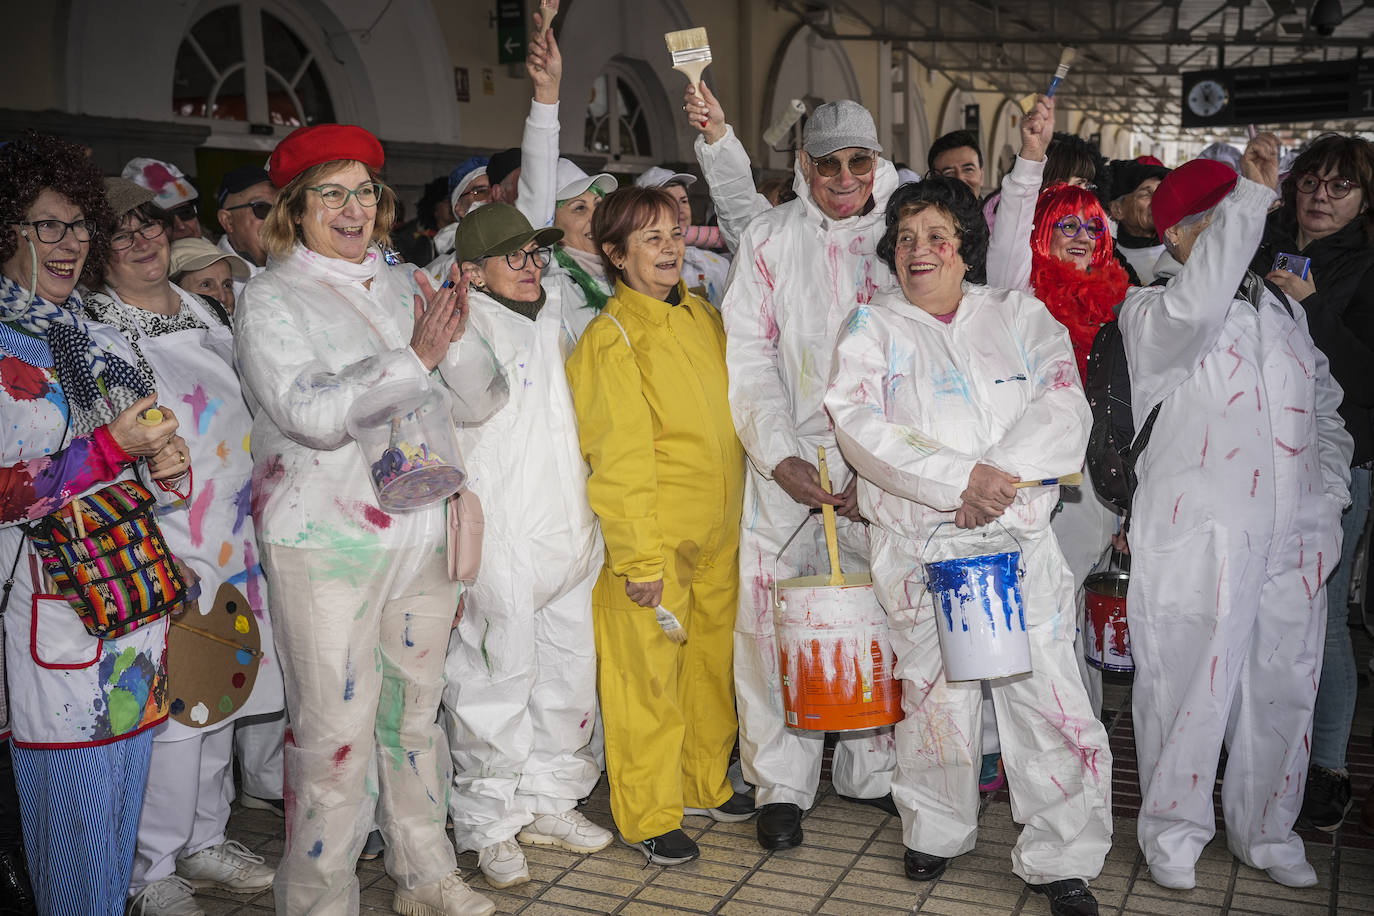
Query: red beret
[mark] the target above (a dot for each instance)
(307, 146)
(1193, 187)
(1148, 160)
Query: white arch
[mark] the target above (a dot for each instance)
(1003, 142)
(808, 67)
(631, 32)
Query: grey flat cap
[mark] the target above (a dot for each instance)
(839, 125)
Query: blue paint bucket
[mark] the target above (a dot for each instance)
(980, 615)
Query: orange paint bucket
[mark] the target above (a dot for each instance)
(836, 659)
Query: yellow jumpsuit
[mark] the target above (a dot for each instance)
(667, 481)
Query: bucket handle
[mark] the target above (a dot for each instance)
(832, 543)
(1020, 566)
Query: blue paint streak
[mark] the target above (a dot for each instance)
(315, 850)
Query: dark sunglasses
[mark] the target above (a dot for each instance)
(829, 166)
(260, 208)
(186, 213)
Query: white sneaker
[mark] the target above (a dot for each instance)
(567, 830)
(228, 867)
(503, 864)
(447, 897)
(1299, 875)
(169, 897)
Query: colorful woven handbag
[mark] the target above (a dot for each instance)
(108, 558)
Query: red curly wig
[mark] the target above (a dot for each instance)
(1059, 201)
(1082, 301)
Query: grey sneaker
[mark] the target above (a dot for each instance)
(169, 897)
(229, 867)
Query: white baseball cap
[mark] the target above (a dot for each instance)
(659, 177)
(573, 182)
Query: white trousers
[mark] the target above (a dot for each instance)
(1083, 527)
(1227, 631)
(186, 805)
(259, 744)
(1053, 748)
(784, 764)
(361, 633)
(520, 709)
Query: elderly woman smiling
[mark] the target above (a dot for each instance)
(667, 482)
(942, 393)
(362, 602)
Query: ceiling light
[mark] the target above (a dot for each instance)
(1326, 15)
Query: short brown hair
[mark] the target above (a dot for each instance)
(143, 213)
(282, 230)
(623, 213)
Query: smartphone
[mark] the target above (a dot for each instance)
(1293, 263)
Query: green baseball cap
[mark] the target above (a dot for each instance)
(496, 229)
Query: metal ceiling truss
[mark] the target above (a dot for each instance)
(1130, 52)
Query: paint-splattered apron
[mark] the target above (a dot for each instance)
(214, 535)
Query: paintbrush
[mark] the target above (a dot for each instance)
(1065, 61)
(1068, 480)
(547, 10)
(670, 625)
(691, 53)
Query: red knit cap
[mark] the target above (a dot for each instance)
(307, 146)
(1193, 187)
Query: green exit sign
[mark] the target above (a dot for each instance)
(510, 31)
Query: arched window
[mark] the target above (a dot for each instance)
(241, 63)
(616, 123)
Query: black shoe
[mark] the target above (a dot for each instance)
(882, 803)
(779, 826)
(1069, 897)
(16, 895)
(921, 867)
(673, 848)
(739, 807)
(1327, 799)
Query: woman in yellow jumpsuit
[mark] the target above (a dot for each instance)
(667, 477)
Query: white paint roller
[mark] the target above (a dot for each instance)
(779, 128)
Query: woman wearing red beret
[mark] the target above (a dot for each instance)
(362, 600)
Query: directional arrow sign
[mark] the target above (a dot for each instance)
(510, 31)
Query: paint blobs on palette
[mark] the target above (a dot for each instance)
(238, 680)
(226, 705)
(200, 714)
(178, 706)
(243, 657)
(241, 624)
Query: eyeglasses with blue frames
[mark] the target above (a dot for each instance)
(52, 231)
(516, 260)
(1072, 225)
(121, 240)
(335, 196)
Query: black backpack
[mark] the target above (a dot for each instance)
(1113, 445)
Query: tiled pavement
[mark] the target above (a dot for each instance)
(851, 864)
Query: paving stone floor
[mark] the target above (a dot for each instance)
(851, 863)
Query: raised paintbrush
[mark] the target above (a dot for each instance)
(1065, 61)
(691, 53)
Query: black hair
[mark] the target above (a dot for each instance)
(1070, 156)
(37, 161)
(953, 140)
(436, 191)
(953, 197)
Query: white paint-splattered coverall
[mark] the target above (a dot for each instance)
(1236, 527)
(797, 275)
(361, 599)
(917, 403)
(520, 702)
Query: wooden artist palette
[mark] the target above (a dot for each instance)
(212, 660)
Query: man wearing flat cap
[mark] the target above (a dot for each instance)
(801, 268)
(246, 195)
(1236, 525)
(1133, 185)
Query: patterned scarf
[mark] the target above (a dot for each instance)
(591, 290)
(98, 385)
